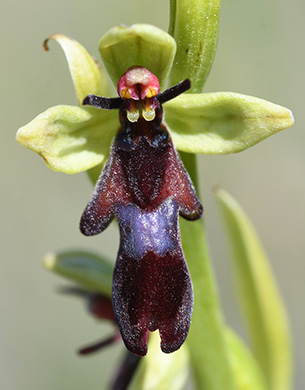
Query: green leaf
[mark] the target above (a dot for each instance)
(140, 44)
(158, 370)
(223, 122)
(259, 297)
(92, 272)
(70, 139)
(194, 25)
(87, 74)
(247, 373)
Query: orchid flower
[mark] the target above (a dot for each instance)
(143, 182)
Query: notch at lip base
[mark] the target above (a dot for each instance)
(154, 292)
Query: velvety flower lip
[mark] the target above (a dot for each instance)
(151, 283)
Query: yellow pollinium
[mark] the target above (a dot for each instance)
(151, 92)
(125, 93)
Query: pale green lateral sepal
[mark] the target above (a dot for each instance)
(87, 75)
(141, 45)
(90, 271)
(194, 24)
(158, 370)
(70, 139)
(223, 122)
(259, 297)
(247, 373)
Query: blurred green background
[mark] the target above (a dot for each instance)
(260, 53)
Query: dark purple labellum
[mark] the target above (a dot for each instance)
(145, 186)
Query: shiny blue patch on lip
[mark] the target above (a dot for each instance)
(144, 231)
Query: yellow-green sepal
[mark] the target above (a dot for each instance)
(87, 269)
(141, 45)
(194, 24)
(158, 370)
(260, 300)
(87, 74)
(223, 122)
(70, 139)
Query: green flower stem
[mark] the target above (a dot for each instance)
(172, 17)
(206, 339)
(194, 25)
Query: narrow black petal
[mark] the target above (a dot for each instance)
(100, 344)
(103, 102)
(174, 91)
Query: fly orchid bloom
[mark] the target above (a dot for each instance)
(144, 184)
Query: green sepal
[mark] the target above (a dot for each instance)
(247, 373)
(223, 122)
(140, 44)
(87, 269)
(260, 301)
(194, 24)
(70, 139)
(87, 74)
(158, 370)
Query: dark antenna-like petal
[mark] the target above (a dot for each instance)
(103, 102)
(100, 344)
(174, 91)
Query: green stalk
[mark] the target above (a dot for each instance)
(172, 17)
(206, 339)
(194, 25)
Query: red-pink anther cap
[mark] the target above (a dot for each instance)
(138, 83)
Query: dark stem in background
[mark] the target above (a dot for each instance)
(125, 372)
